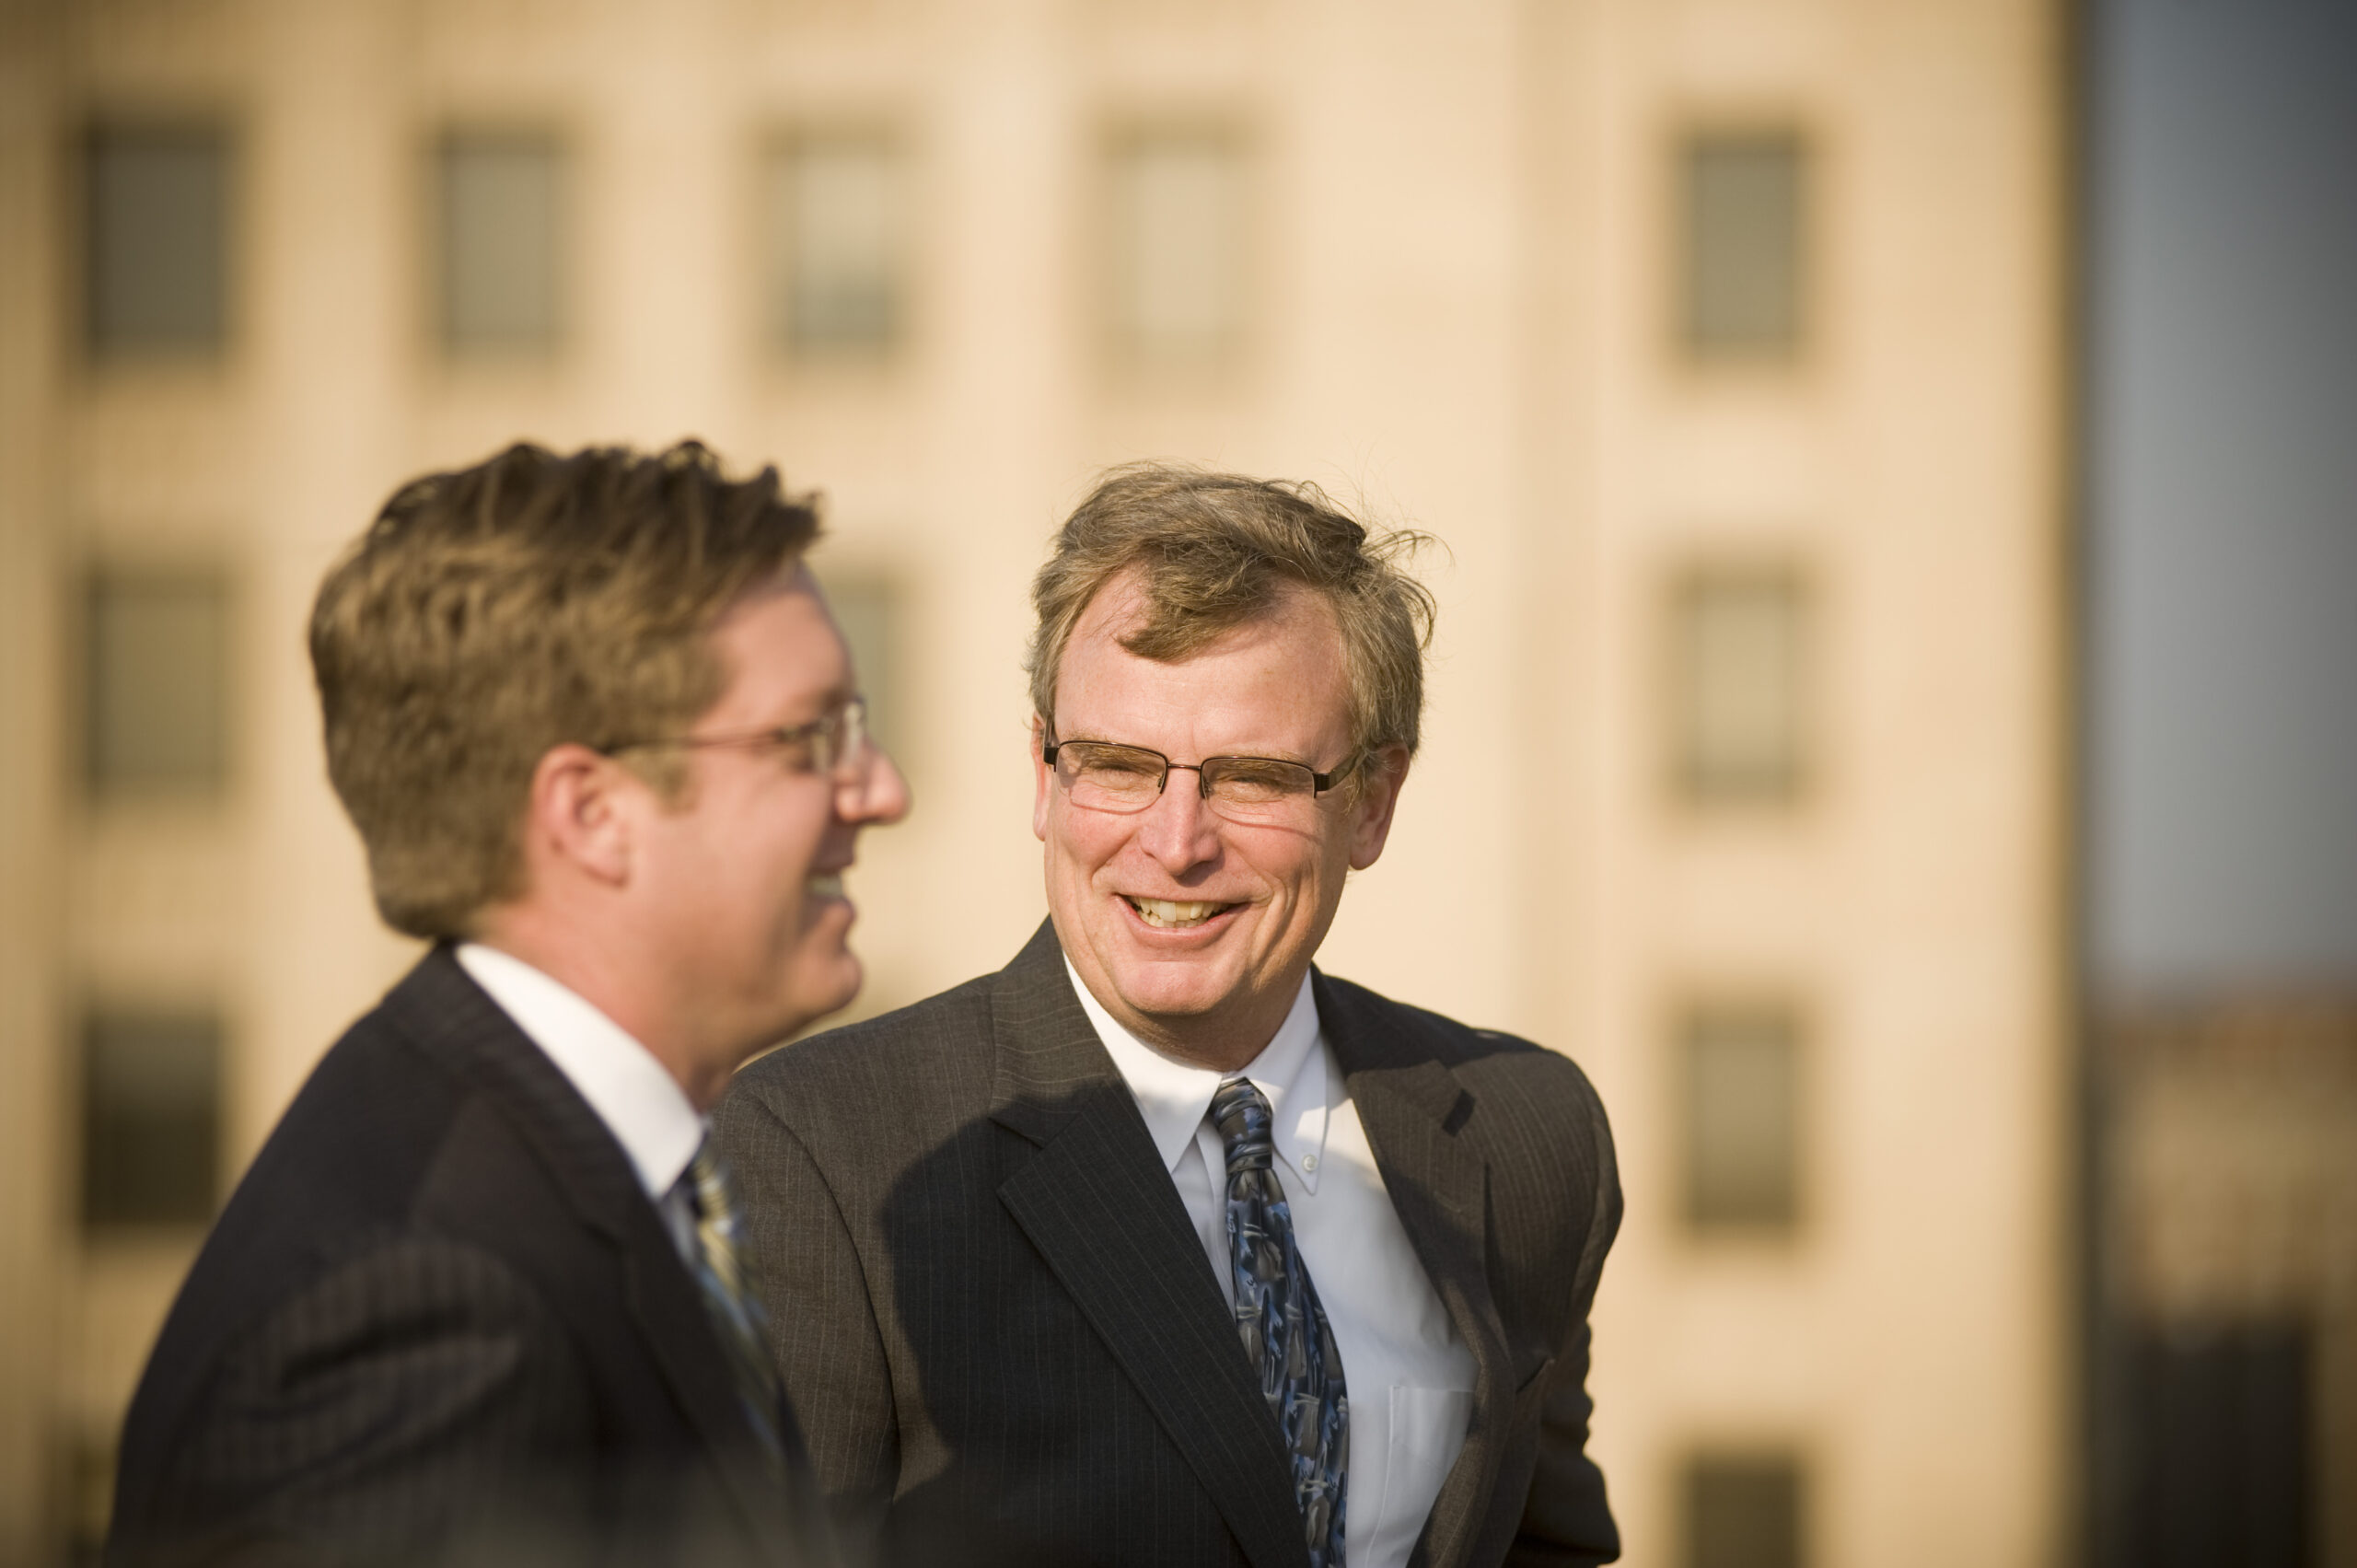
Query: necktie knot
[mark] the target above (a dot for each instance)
(1246, 1125)
(714, 1198)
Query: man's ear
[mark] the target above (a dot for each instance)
(1039, 785)
(580, 812)
(1378, 795)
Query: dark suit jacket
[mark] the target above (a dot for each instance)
(439, 1320)
(1006, 1344)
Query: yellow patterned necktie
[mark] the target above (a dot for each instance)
(736, 1311)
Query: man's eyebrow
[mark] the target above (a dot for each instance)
(833, 697)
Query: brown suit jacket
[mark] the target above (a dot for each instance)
(1003, 1341)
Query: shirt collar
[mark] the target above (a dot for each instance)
(632, 1094)
(1174, 1096)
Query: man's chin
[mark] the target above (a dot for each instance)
(1172, 1005)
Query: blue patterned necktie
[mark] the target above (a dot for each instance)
(1284, 1329)
(729, 1298)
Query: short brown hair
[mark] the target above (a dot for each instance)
(1212, 550)
(492, 613)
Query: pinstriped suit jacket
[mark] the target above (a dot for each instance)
(1006, 1346)
(439, 1320)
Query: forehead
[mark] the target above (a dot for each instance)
(779, 651)
(1274, 683)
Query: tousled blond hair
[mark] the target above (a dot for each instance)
(1212, 550)
(492, 613)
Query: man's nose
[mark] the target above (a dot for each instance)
(1179, 831)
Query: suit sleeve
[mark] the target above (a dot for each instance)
(822, 1326)
(1566, 1520)
(414, 1404)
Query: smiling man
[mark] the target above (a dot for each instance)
(1159, 1246)
(479, 1298)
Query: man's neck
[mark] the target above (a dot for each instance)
(604, 977)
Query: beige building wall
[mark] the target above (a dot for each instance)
(1456, 252)
(1908, 1342)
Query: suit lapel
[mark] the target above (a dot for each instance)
(1413, 1109)
(448, 1014)
(1099, 1206)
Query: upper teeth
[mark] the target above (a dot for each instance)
(1168, 912)
(829, 886)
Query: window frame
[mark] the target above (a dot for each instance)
(775, 261)
(79, 320)
(1812, 260)
(88, 782)
(1692, 1009)
(1230, 356)
(1684, 779)
(96, 1012)
(553, 134)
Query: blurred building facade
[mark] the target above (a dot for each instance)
(2220, 902)
(2223, 1361)
(1720, 340)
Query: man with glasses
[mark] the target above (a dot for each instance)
(1159, 1246)
(480, 1296)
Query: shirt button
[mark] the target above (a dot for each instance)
(1309, 1162)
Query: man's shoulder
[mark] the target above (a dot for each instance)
(430, 1116)
(1445, 1040)
(1373, 1029)
(363, 1127)
(349, 1157)
(929, 1049)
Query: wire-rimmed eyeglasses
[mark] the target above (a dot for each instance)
(1104, 776)
(836, 743)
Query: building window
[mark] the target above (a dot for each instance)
(502, 231)
(1739, 1136)
(2224, 1463)
(156, 707)
(1738, 677)
(156, 240)
(1177, 248)
(838, 246)
(867, 611)
(151, 1120)
(1744, 1511)
(1744, 210)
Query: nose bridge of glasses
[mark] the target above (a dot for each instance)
(1202, 779)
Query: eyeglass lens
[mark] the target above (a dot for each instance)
(840, 747)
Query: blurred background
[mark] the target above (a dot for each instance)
(1895, 707)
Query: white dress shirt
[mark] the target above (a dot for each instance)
(635, 1095)
(1406, 1374)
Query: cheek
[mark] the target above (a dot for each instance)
(1079, 839)
(1315, 878)
(784, 852)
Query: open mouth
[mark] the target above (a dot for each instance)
(1170, 914)
(826, 884)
